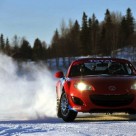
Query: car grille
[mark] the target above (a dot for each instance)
(112, 100)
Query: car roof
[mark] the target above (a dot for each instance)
(82, 60)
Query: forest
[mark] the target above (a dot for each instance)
(92, 37)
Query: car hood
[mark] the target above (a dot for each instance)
(107, 83)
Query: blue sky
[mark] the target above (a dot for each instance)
(40, 18)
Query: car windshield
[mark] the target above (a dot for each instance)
(101, 68)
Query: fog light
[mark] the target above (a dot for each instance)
(77, 100)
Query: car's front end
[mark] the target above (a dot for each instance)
(102, 94)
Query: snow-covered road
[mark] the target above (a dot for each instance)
(56, 127)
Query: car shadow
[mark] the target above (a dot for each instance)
(79, 119)
(106, 117)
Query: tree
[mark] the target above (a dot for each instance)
(7, 47)
(25, 50)
(123, 32)
(55, 47)
(130, 22)
(90, 34)
(63, 29)
(116, 20)
(2, 43)
(75, 38)
(16, 45)
(107, 34)
(94, 35)
(84, 49)
(126, 28)
(44, 48)
(55, 44)
(16, 41)
(38, 50)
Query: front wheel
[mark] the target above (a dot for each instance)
(67, 114)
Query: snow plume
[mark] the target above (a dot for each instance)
(27, 90)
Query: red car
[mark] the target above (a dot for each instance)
(92, 85)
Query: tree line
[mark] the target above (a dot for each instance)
(20, 48)
(92, 37)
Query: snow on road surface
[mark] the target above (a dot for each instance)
(28, 102)
(56, 127)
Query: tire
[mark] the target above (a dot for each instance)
(64, 111)
(58, 108)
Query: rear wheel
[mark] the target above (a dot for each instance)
(67, 114)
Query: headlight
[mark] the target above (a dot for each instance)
(83, 86)
(133, 87)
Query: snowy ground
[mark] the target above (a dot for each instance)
(28, 102)
(56, 127)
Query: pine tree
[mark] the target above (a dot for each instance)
(123, 32)
(130, 22)
(55, 44)
(55, 51)
(37, 50)
(44, 48)
(126, 28)
(76, 38)
(16, 46)
(90, 35)
(2, 43)
(25, 50)
(7, 47)
(94, 34)
(84, 49)
(108, 33)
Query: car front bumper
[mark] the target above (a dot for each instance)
(103, 102)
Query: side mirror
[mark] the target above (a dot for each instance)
(59, 74)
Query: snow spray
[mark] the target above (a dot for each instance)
(27, 90)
